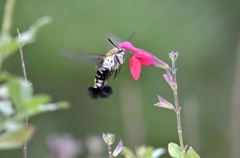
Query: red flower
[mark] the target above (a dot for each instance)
(141, 57)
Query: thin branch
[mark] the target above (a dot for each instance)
(177, 107)
(22, 59)
(25, 146)
(179, 124)
(25, 77)
(110, 151)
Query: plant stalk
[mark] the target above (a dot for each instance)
(25, 78)
(7, 17)
(110, 151)
(179, 124)
(22, 59)
(6, 26)
(25, 146)
(177, 108)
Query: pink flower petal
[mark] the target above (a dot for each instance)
(159, 63)
(118, 149)
(128, 46)
(135, 67)
(145, 58)
(168, 77)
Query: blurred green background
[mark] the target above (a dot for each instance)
(204, 32)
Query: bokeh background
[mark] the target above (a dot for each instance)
(206, 33)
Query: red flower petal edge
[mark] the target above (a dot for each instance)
(135, 67)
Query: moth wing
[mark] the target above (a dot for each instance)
(88, 58)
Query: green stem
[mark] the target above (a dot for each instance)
(179, 125)
(25, 77)
(177, 108)
(7, 18)
(110, 151)
(6, 26)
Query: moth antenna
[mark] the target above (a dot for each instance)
(112, 43)
(131, 35)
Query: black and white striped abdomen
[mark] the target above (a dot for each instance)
(101, 76)
(100, 88)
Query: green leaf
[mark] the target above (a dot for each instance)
(30, 35)
(40, 108)
(175, 150)
(191, 153)
(4, 92)
(6, 108)
(128, 153)
(4, 76)
(158, 152)
(37, 100)
(20, 91)
(144, 152)
(8, 45)
(15, 137)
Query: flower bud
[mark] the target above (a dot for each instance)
(108, 138)
(173, 55)
(164, 103)
(170, 79)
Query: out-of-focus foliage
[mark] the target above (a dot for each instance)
(143, 152)
(109, 139)
(10, 45)
(176, 152)
(191, 153)
(17, 100)
(14, 135)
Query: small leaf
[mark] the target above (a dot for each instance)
(37, 100)
(4, 76)
(20, 91)
(15, 138)
(8, 45)
(4, 92)
(47, 107)
(144, 152)
(191, 153)
(41, 22)
(128, 153)
(175, 150)
(6, 108)
(158, 152)
(30, 35)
